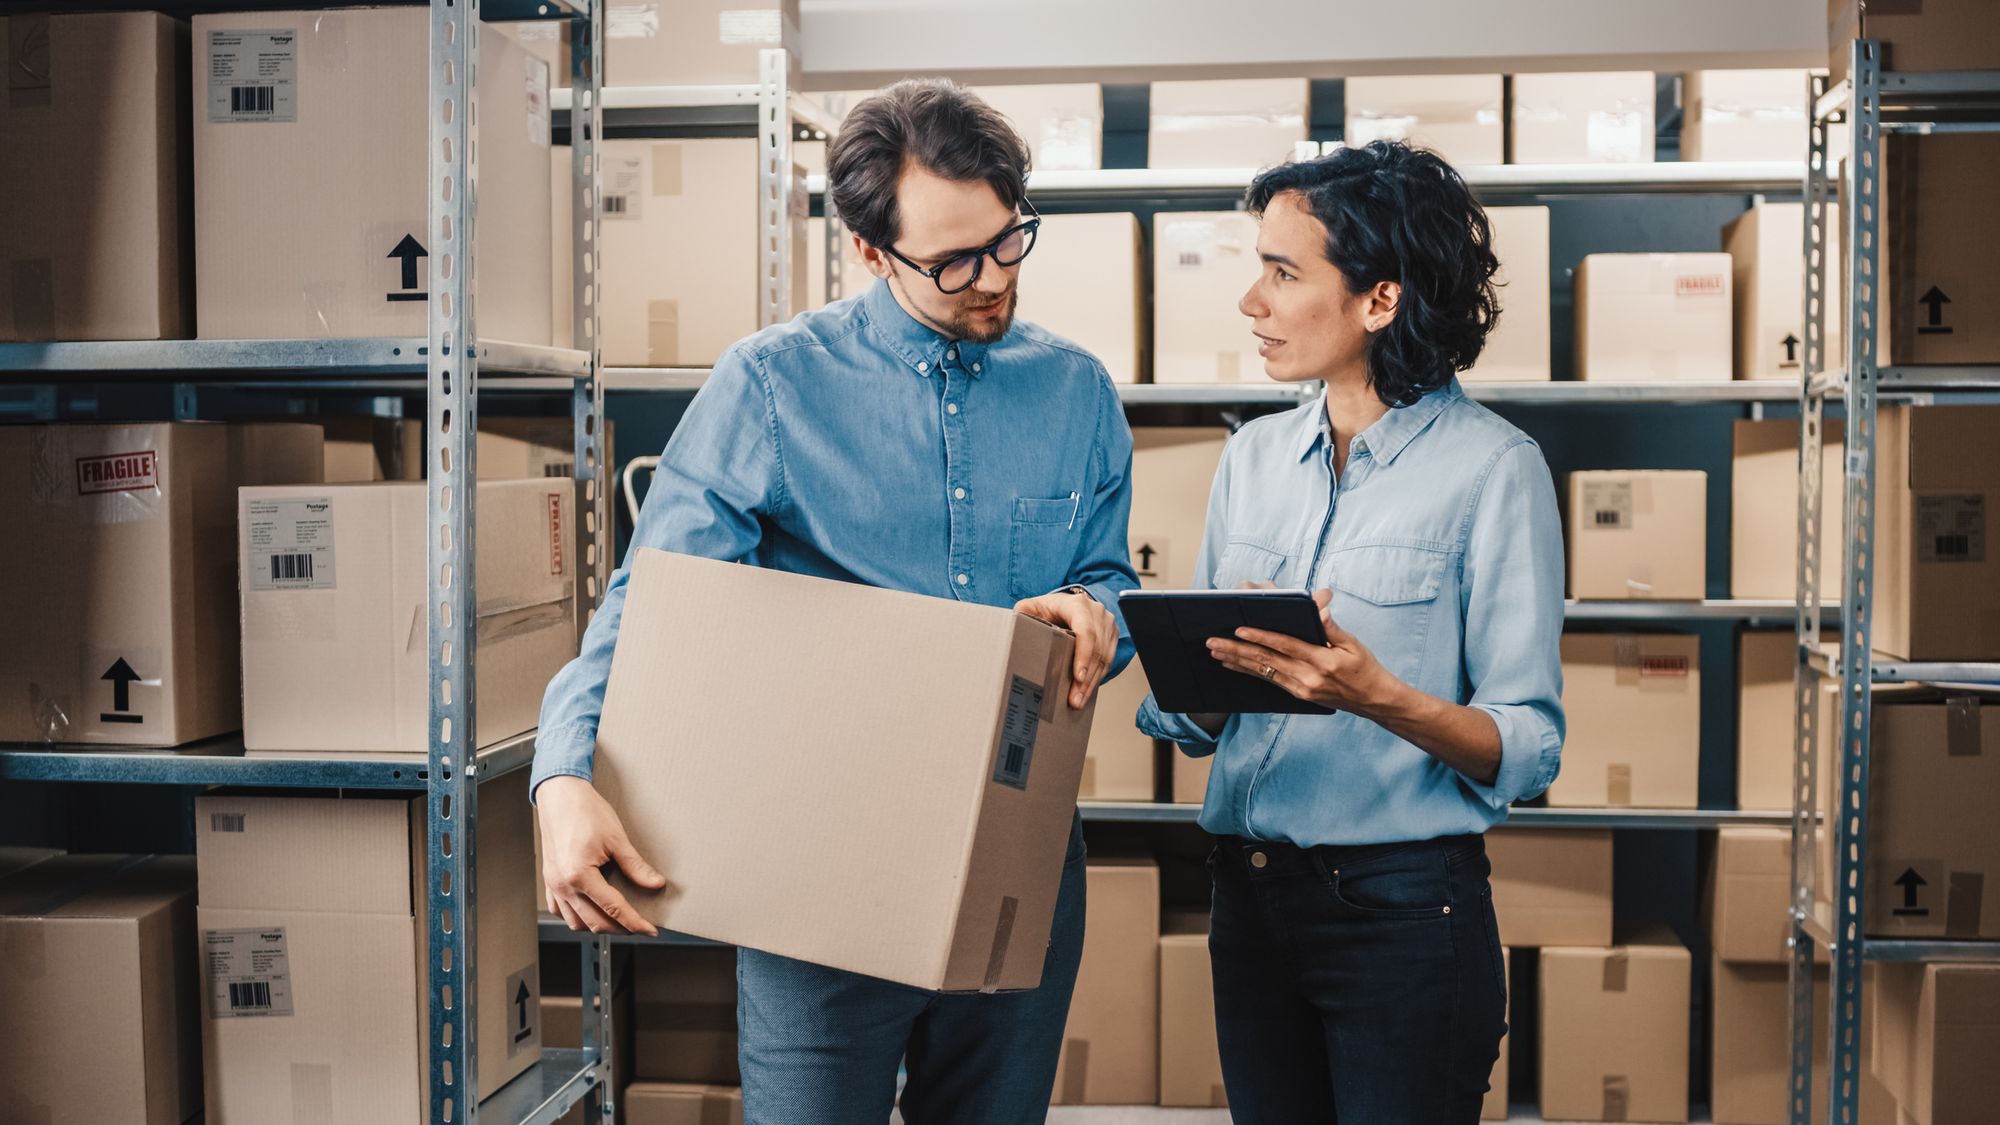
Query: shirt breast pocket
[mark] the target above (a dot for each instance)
(1385, 594)
(1243, 561)
(1043, 544)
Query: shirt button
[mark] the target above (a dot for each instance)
(975, 366)
(923, 367)
(951, 408)
(1257, 859)
(963, 579)
(952, 354)
(958, 493)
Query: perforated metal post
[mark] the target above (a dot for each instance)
(836, 237)
(452, 409)
(781, 199)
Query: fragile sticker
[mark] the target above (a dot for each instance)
(290, 544)
(1017, 734)
(537, 93)
(555, 534)
(1701, 285)
(1607, 504)
(249, 972)
(1951, 529)
(118, 472)
(253, 75)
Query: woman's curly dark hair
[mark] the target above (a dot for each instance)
(1396, 213)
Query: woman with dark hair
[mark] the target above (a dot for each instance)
(1357, 966)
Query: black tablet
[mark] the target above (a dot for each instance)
(1171, 629)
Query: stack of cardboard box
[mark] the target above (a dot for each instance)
(1112, 1046)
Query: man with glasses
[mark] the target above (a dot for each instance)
(915, 437)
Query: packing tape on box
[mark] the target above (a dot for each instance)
(627, 20)
(1617, 969)
(1617, 1097)
(1087, 785)
(312, 1094)
(31, 291)
(50, 712)
(663, 332)
(1965, 892)
(1961, 727)
(667, 162)
(1618, 784)
(756, 27)
(1003, 936)
(1055, 677)
(1227, 119)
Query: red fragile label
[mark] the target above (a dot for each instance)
(1699, 285)
(118, 472)
(555, 533)
(1674, 666)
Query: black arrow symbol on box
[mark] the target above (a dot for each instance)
(1791, 343)
(409, 250)
(1909, 880)
(1936, 300)
(1146, 554)
(521, 1001)
(121, 676)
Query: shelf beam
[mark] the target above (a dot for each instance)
(223, 761)
(239, 361)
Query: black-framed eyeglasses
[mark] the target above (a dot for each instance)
(959, 272)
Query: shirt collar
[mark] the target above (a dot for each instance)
(1387, 437)
(921, 348)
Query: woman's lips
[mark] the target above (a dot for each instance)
(1266, 345)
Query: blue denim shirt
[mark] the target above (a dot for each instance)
(1443, 549)
(855, 443)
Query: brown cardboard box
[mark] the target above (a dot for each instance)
(1063, 123)
(1744, 115)
(119, 931)
(335, 650)
(1942, 300)
(1249, 123)
(1203, 262)
(18, 859)
(1517, 350)
(1118, 765)
(1190, 780)
(1767, 286)
(1634, 708)
(126, 606)
(1937, 1032)
(712, 42)
(98, 240)
(1750, 1044)
(1653, 318)
(685, 1026)
(1937, 491)
(1551, 886)
(1190, 1062)
(366, 448)
(1933, 844)
(1764, 505)
(324, 111)
(1638, 534)
(941, 796)
(855, 278)
(1766, 666)
(1934, 35)
(1583, 118)
(1456, 116)
(314, 942)
(1111, 1045)
(1077, 284)
(673, 1103)
(1495, 1107)
(1615, 1033)
(1748, 896)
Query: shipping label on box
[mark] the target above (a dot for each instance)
(1638, 534)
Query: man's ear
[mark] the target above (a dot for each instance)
(872, 259)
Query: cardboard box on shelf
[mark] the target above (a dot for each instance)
(1551, 886)
(17, 859)
(941, 796)
(1517, 350)
(1653, 318)
(1085, 282)
(1203, 261)
(364, 447)
(122, 619)
(1754, 115)
(1063, 123)
(1937, 494)
(118, 930)
(98, 242)
(1110, 1052)
(854, 277)
(1750, 1045)
(1615, 1032)
(1495, 1107)
(681, 1103)
(1942, 301)
(1456, 116)
(1935, 35)
(685, 1023)
(314, 943)
(1190, 1062)
(335, 655)
(1936, 1033)
(1764, 505)
(1118, 764)
(1767, 287)
(1638, 534)
(708, 43)
(1766, 666)
(1248, 123)
(1634, 708)
(1748, 896)
(1932, 843)
(1190, 778)
(1583, 118)
(322, 109)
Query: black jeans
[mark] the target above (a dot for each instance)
(1361, 985)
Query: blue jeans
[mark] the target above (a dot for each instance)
(1359, 985)
(821, 1046)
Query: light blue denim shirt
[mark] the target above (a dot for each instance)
(1443, 549)
(854, 443)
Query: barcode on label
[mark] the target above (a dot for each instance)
(1190, 259)
(253, 99)
(291, 568)
(225, 822)
(614, 205)
(1952, 546)
(249, 995)
(1017, 757)
(1609, 518)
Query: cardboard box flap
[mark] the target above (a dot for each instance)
(96, 886)
(360, 845)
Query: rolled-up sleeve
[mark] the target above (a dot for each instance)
(1103, 564)
(720, 472)
(1513, 604)
(1168, 725)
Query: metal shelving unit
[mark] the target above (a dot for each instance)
(1140, 812)
(1872, 103)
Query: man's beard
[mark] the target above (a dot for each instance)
(963, 326)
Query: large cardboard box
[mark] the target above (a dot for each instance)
(1615, 1032)
(1495, 1106)
(1937, 1032)
(710, 42)
(1118, 765)
(323, 111)
(1456, 116)
(1933, 843)
(1764, 506)
(854, 277)
(1063, 123)
(1517, 350)
(1245, 123)
(1634, 708)
(1744, 115)
(1937, 497)
(335, 629)
(1085, 282)
(681, 1103)
(1942, 300)
(98, 992)
(1750, 1044)
(314, 945)
(1748, 896)
(1767, 285)
(121, 619)
(1551, 886)
(940, 795)
(1583, 118)
(1190, 1061)
(1190, 778)
(1934, 35)
(1203, 262)
(98, 240)
(1766, 667)
(1653, 318)
(360, 447)
(1638, 534)
(685, 1026)
(1111, 1045)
